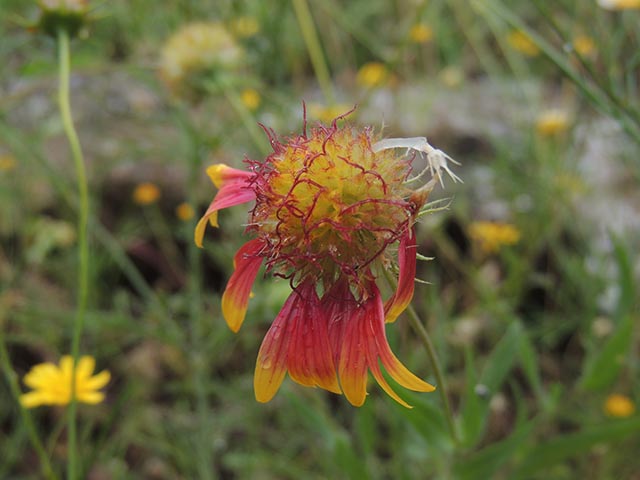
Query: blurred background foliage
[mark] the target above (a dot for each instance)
(532, 299)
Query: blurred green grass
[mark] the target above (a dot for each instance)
(533, 338)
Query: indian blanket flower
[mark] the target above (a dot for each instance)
(51, 384)
(331, 208)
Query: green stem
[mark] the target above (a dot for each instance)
(305, 21)
(10, 375)
(83, 246)
(416, 324)
(245, 115)
(423, 335)
(194, 293)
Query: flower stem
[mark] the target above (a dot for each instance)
(305, 21)
(416, 324)
(194, 293)
(10, 375)
(425, 338)
(249, 122)
(83, 246)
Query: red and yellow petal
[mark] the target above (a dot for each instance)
(310, 358)
(235, 298)
(347, 336)
(399, 301)
(374, 315)
(221, 174)
(271, 365)
(234, 189)
(380, 348)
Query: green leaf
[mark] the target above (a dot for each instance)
(625, 279)
(556, 450)
(472, 415)
(500, 363)
(528, 360)
(502, 358)
(602, 369)
(486, 462)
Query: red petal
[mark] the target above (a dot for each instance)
(310, 360)
(407, 261)
(235, 298)
(338, 305)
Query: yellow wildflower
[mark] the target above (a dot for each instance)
(146, 193)
(51, 384)
(7, 162)
(250, 98)
(185, 212)
(420, 33)
(521, 42)
(490, 236)
(619, 4)
(196, 49)
(372, 74)
(584, 45)
(619, 406)
(244, 27)
(552, 122)
(326, 114)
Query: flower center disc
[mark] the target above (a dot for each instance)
(326, 203)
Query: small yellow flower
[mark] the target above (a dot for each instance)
(552, 122)
(326, 114)
(7, 162)
(522, 43)
(146, 193)
(420, 33)
(250, 98)
(51, 384)
(491, 236)
(584, 45)
(619, 4)
(244, 27)
(619, 406)
(372, 74)
(185, 212)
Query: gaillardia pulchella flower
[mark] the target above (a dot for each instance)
(331, 208)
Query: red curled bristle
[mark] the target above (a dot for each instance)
(327, 204)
